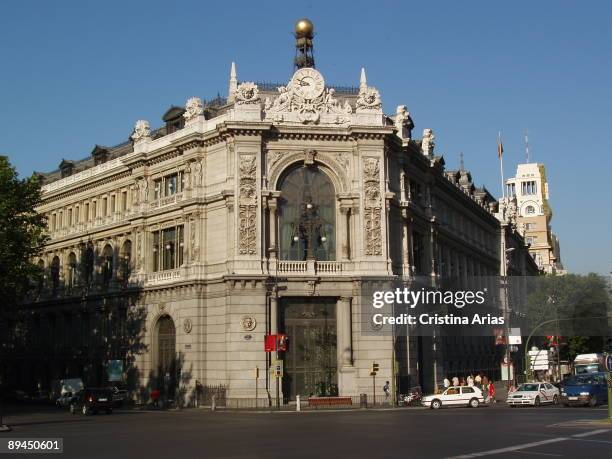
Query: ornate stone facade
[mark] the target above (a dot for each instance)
(183, 226)
(247, 243)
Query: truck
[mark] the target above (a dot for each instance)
(588, 363)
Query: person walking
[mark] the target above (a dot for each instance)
(470, 381)
(446, 383)
(455, 381)
(478, 380)
(387, 390)
(491, 393)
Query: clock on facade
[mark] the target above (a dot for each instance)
(308, 83)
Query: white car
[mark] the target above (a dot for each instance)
(533, 394)
(455, 396)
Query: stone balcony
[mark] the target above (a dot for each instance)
(312, 267)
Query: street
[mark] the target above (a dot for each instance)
(495, 431)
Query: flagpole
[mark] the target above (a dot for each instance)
(500, 154)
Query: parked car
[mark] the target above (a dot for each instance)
(66, 399)
(120, 394)
(91, 401)
(533, 394)
(455, 396)
(585, 389)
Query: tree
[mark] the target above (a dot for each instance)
(22, 236)
(581, 303)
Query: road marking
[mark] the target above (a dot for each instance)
(537, 454)
(534, 444)
(592, 432)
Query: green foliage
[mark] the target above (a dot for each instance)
(22, 235)
(581, 303)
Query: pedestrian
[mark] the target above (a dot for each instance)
(455, 381)
(478, 380)
(470, 380)
(387, 389)
(485, 383)
(446, 383)
(491, 393)
(462, 381)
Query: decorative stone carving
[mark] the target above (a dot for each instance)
(512, 213)
(403, 122)
(187, 175)
(198, 173)
(247, 205)
(193, 108)
(248, 323)
(368, 100)
(273, 158)
(309, 157)
(143, 186)
(344, 160)
(187, 325)
(300, 98)
(142, 131)
(428, 144)
(247, 93)
(195, 246)
(372, 206)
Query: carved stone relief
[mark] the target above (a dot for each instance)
(247, 205)
(193, 108)
(372, 207)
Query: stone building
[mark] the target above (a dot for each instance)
(528, 200)
(265, 212)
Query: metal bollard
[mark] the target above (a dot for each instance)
(298, 406)
(213, 406)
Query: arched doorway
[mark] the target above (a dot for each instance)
(307, 215)
(166, 356)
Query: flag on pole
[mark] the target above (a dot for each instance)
(500, 155)
(500, 147)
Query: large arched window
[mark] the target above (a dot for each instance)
(107, 264)
(307, 215)
(55, 273)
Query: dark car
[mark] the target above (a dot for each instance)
(585, 389)
(91, 401)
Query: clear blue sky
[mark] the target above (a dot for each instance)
(78, 73)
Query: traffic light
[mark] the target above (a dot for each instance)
(375, 368)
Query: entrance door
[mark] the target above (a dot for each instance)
(310, 366)
(166, 364)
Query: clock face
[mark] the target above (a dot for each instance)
(308, 83)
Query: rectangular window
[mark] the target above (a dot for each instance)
(94, 209)
(528, 188)
(112, 205)
(168, 185)
(168, 248)
(76, 214)
(104, 207)
(87, 218)
(511, 190)
(123, 201)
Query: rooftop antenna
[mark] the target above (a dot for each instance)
(461, 161)
(527, 145)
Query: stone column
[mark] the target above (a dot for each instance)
(273, 314)
(343, 326)
(343, 231)
(406, 242)
(272, 205)
(346, 370)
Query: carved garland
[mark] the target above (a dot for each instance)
(373, 207)
(247, 209)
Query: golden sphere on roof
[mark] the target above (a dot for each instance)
(304, 28)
